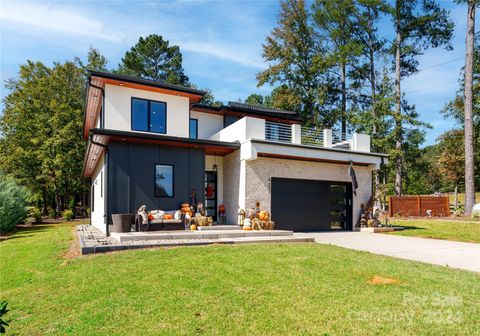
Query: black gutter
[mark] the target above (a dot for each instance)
(102, 113)
(137, 135)
(148, 82)
(225, 108)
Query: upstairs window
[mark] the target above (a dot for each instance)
(149, 116)
(193, 128)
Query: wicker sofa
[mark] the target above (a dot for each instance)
(160, 224)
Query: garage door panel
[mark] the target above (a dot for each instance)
(310, 205)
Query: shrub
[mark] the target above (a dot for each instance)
(68, 215)
(52, 213)
(476, 211)
(3, 310)
(12, 204)
(71, 204)
(35, 213)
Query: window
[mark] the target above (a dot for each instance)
(193, 128)
(164, 177)
(149, 116)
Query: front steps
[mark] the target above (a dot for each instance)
(199, 234)
(92, 240)
(219, 227)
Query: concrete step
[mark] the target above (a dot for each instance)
(209, 234)
(271, 239)
(218, 227)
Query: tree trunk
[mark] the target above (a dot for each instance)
(455, 198)
(371, 47)
(468, 111)
(343, 78)
(45, 208)
(398, 97)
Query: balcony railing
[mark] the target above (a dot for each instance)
(312, 136)
(278, 132)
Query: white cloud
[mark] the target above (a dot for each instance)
(222, 52)
(26, 16)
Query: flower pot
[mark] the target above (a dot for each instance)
(122, 222)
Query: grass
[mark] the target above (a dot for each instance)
(461, 198)
(271, 289)
(439, 229)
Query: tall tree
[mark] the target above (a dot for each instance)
(336, 24)
(154, 58)
(456, 110)
(95, 60)
(419, 25)
(295, 61)
(42, 144)
(468, 109)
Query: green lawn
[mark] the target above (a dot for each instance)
(439, 229)
(271, 289)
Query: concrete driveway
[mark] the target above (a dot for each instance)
(439, 252)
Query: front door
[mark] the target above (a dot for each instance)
(211, 194)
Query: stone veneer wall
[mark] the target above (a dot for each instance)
(259, 171)
(231, 185)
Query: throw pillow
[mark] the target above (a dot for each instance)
(167, 216)
(151, 217)
(178, 215)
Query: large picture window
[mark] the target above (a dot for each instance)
(149, 116)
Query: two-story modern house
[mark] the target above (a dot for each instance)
(151, 143)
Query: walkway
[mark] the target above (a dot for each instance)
(439, 252)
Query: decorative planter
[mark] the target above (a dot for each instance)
(122, 222)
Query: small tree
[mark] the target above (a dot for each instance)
(12, 204)
(452, 158)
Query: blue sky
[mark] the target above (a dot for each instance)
(221, 42)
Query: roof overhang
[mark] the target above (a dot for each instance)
(226, 110)
(96, 91)
(99, 140)
(263, 148)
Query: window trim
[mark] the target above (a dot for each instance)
(196, 128)
(148, 114)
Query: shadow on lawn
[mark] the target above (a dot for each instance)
(409, 228)
(22, 231)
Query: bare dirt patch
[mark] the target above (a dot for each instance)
(380, 280)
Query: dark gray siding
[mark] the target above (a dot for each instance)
(131, 176)
(229, 119)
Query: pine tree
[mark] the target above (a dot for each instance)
(154, 58)
(418, 25)
(295, 62)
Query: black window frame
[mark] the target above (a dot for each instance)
(190, 128)
(154, 179)
(149, 117)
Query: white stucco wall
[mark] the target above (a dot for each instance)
(259, 172)
(210, 160)
(99, 181)
(118, 109)
(208, 124)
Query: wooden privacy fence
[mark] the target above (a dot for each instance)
(418, 206)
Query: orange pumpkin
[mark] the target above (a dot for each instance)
(193, 227)
(263, 215)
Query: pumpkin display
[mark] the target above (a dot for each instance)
(185, 207)
(263, 215)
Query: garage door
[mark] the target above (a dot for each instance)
(310, 205)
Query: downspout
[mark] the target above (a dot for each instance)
(102, 113)
(106, 177)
